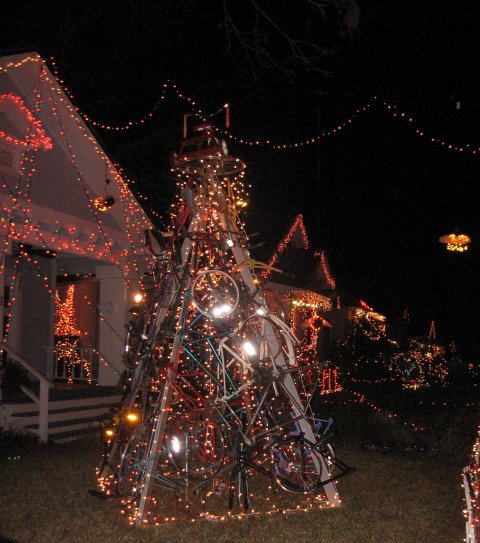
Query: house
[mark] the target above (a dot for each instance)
(302, 288)
(71, 236)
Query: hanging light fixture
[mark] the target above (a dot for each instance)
(104, 203)
(456, 242)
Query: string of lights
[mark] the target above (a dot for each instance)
(86, 190)
(395, 110)
(360, 399)
(297, 225)
(26, 173)
(38, 235)
(30, 226)
(326, 272)
(140, 218)
(37, 137)
(21, 200)
(24, 256)
(14, 65)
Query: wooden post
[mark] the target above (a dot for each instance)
(43, 412)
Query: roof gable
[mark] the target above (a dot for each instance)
(296, 238)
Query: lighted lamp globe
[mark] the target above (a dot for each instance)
(456, 242)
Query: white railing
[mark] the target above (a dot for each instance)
(42, 399)
(75, 364)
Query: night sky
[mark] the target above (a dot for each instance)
(376, 196)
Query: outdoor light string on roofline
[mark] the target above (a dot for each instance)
(22, 253)
(29, 226)
(26, 172)
(393, 109)
(137, 214)
(121, 184)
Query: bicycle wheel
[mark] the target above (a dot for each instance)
(215, 294)
(166, 289)
(108, 467)
(196, 445)
(130, 473)
(297, 466)
(263, 341)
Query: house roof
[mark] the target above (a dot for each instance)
(294, 263)
(53, 168)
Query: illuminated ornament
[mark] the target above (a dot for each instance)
(241, 203)
(456, 242)
(103, 203)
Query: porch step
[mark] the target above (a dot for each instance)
(74, 435)
(67, 419)
(61, 415)
(61, 429)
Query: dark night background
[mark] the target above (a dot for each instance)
(376, 197)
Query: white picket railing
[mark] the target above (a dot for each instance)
(42, 399)
(74, 364)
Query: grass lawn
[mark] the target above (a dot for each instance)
(389, 498)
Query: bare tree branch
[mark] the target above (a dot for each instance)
(309, 32)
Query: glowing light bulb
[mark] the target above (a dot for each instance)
(260, 311)
(230, 242)
(138, 297)
(221, 310)
(175, 444)
(249, 348)
(132, 417)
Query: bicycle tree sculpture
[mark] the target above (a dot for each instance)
(211, 400)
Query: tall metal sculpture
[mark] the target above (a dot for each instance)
(212, 394)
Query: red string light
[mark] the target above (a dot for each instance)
(326, 271)
(297, 225)
(360, 398)
(304, 142)
(37, 137)
(397, 114)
